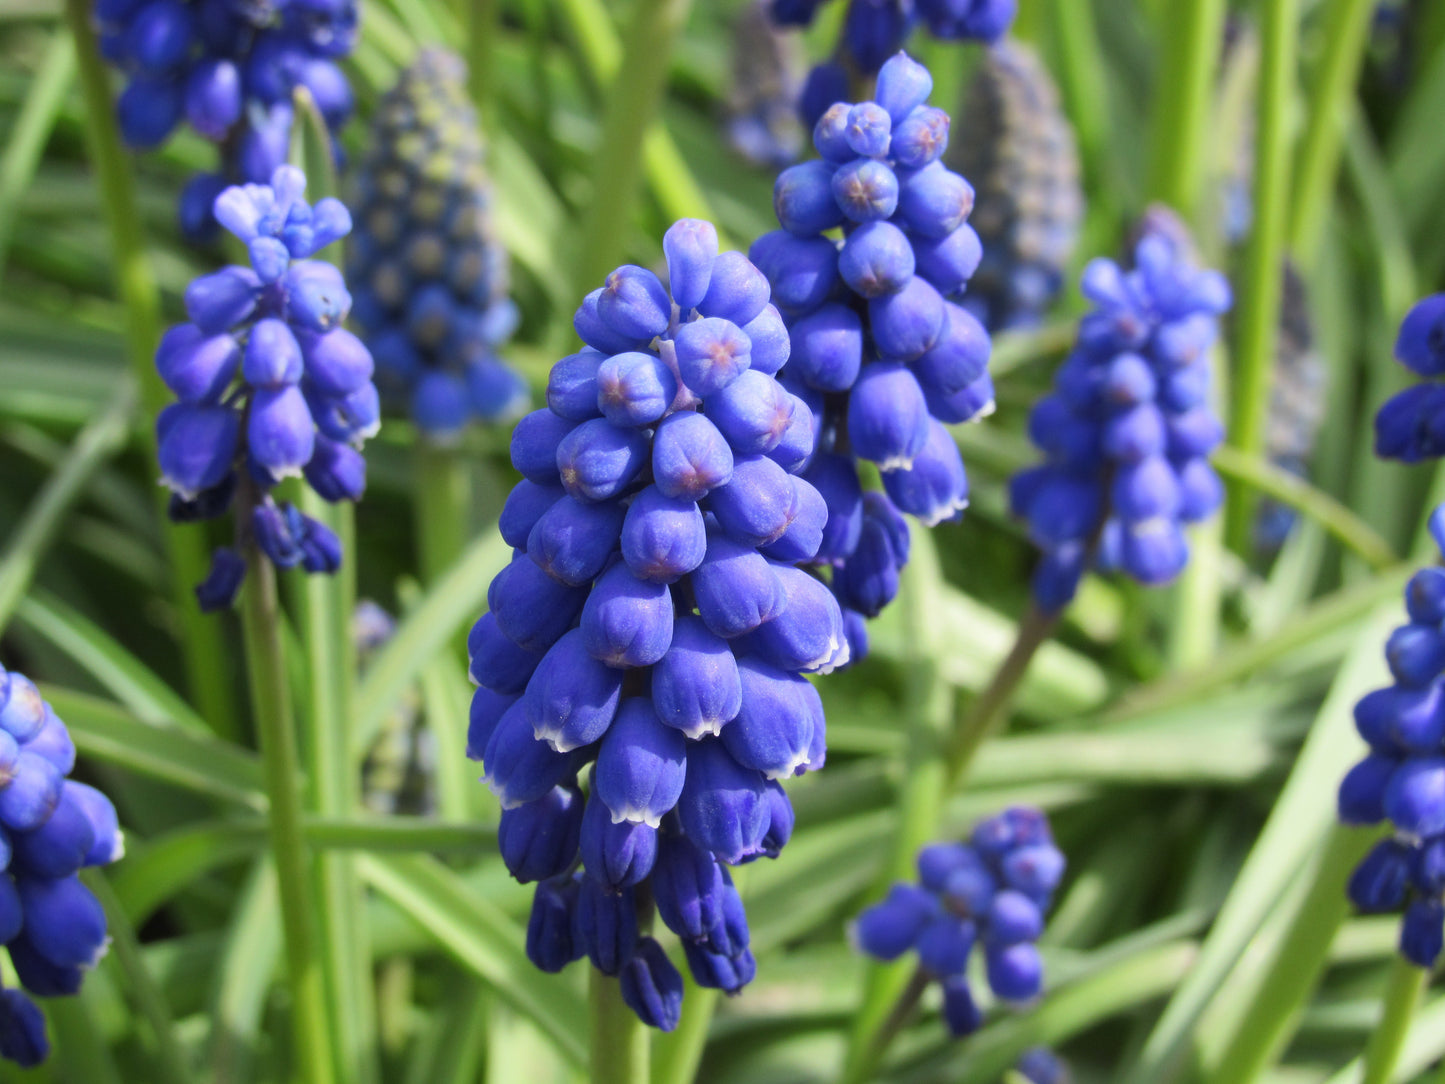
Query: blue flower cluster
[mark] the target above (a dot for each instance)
(1016, 146)
(992, 891)
(50, 828)
(1128, 428)
(873, 30)
(1411, 426)
(1402, 778)
(879, 353)
(652, 628)
(431, 277)
(270, 385)
(227, 68)
(767, 76)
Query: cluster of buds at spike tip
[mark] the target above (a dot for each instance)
(1402, 778)
(51, 827)
(874, 243)
(874, 30)
(429, 274)
(1016, 146)
(1410, 427)
(649, 637)
(270, 385)
(993, 892)
(1128, 428)
(227, 68)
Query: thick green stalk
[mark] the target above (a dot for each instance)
(619, 1041)
(32, 129)
(1259, 296)
(1347, 32)
(680, 1052)
(443, 507)
(633, 99)
(1298, 960)
(1179, 136)
(276, 731)
(31, 538)
(991, 705)
(921, 797)
(328, 603)
(1402, 999)
(201, 643)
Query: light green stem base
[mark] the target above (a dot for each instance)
(1402, 998)
(619, 1045)
(276, 731)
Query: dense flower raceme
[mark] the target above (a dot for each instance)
(1016, 146)
(1402, 778)
(649, 636)
(270, 385)
(1128, 428)
(50, 828)
(873, 30)
(767, 76)
(1411, 426)
(228, 69)
(430, 276)
(883, 358)
(992, 891)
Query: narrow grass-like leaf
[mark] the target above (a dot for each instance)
(195, 762)
(454, 601)
(470, 930)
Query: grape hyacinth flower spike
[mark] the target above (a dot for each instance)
(874, 30)
(227, 69)
(430, 275)
(641, 696)
(269, 386)
(991, 892)
(51, 827)
(1401, 780)
(1016, 145)
(883, 357)
(1128, 428)
(767, 70)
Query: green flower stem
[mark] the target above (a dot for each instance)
(633, 96)
(1179, 137)
(680, 1052)
(201, 642)
(1403, 993)
(276, 731)
(443, 507)
(32, 129)
(991, 705)
(1259, 296)
(921, 797)
(1347, 32)
(1085, 91)
(619, 1041)
(97, 443)
(1298, 959)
